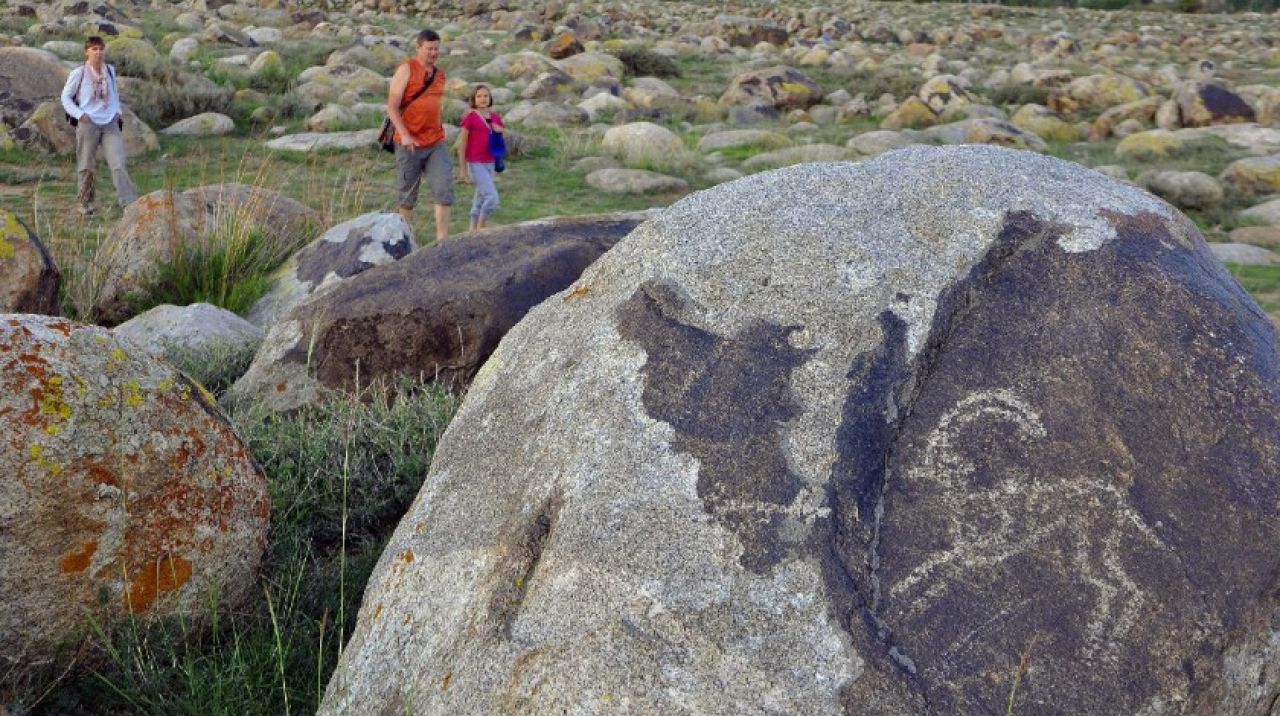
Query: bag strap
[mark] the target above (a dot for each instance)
(425, 84)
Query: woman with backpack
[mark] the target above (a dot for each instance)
(92, 104)
(477, 161)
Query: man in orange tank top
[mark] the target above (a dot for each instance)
(413, 104)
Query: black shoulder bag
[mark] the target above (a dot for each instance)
(387, 135)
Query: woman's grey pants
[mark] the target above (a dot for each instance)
(89, 137)
(485, 201)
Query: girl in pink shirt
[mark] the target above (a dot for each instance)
(473, 152)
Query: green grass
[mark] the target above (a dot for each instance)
(1262, 282)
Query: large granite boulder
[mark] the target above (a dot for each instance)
(952, 430)
(31, 74)
(436, 314)
(29, 280)
(160, 224)
(122, 490)
(341, 252)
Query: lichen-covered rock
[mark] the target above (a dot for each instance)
(913, 113)
(122, 489)
(590, 66)
(1044, 123)
(1105, 90)
(205, 124)
(742, 31)
(1150, 145)
(637, 141)
(952, 430)
(154, 226)
(634, 181)
(780, 87)
(436, 314)
(945, 93)
(341, 252)
(1203, 103)
(1185, 190)
(29, 280)
(1253, 175)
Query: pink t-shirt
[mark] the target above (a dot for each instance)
(478, 136)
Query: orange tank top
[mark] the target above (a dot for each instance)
(422, 116)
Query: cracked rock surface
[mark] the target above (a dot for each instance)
(940, 432)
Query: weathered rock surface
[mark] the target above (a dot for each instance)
(157, 223)
(340, 253)
(202, 339)
(313, 141)
(634, 181)
(29, 280)
(859, 438)
(781, 87)
(122, 489)
(437, 313)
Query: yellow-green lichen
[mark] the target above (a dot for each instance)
(133, 394)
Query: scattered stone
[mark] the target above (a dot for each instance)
(634, 181)
(1268, 237)
(1204, 103)
(798, 154)
(207, 124)
(737, 138)
(640, 141)
(1185, 190)
(780, 87)
(1254, 175)
(1244, 254)
(1151, 145)
(318, 141)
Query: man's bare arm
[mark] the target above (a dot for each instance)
(394, 96)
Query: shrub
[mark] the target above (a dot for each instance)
(647, 63)
(177, 95)
(229, 268)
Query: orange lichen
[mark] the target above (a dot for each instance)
(377, 611)
(77, 560)
(63, 327)
(407, 556)
(166, 574)
(577, 292)
(281, 387)
(444, 683)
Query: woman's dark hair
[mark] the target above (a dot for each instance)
(471, 100)
(427, 36)
(94, 41)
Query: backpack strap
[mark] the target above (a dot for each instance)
(425, 84)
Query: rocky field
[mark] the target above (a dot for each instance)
(845, 384)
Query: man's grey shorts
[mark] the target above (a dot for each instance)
(410, 165)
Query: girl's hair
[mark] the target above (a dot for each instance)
(475, 91)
